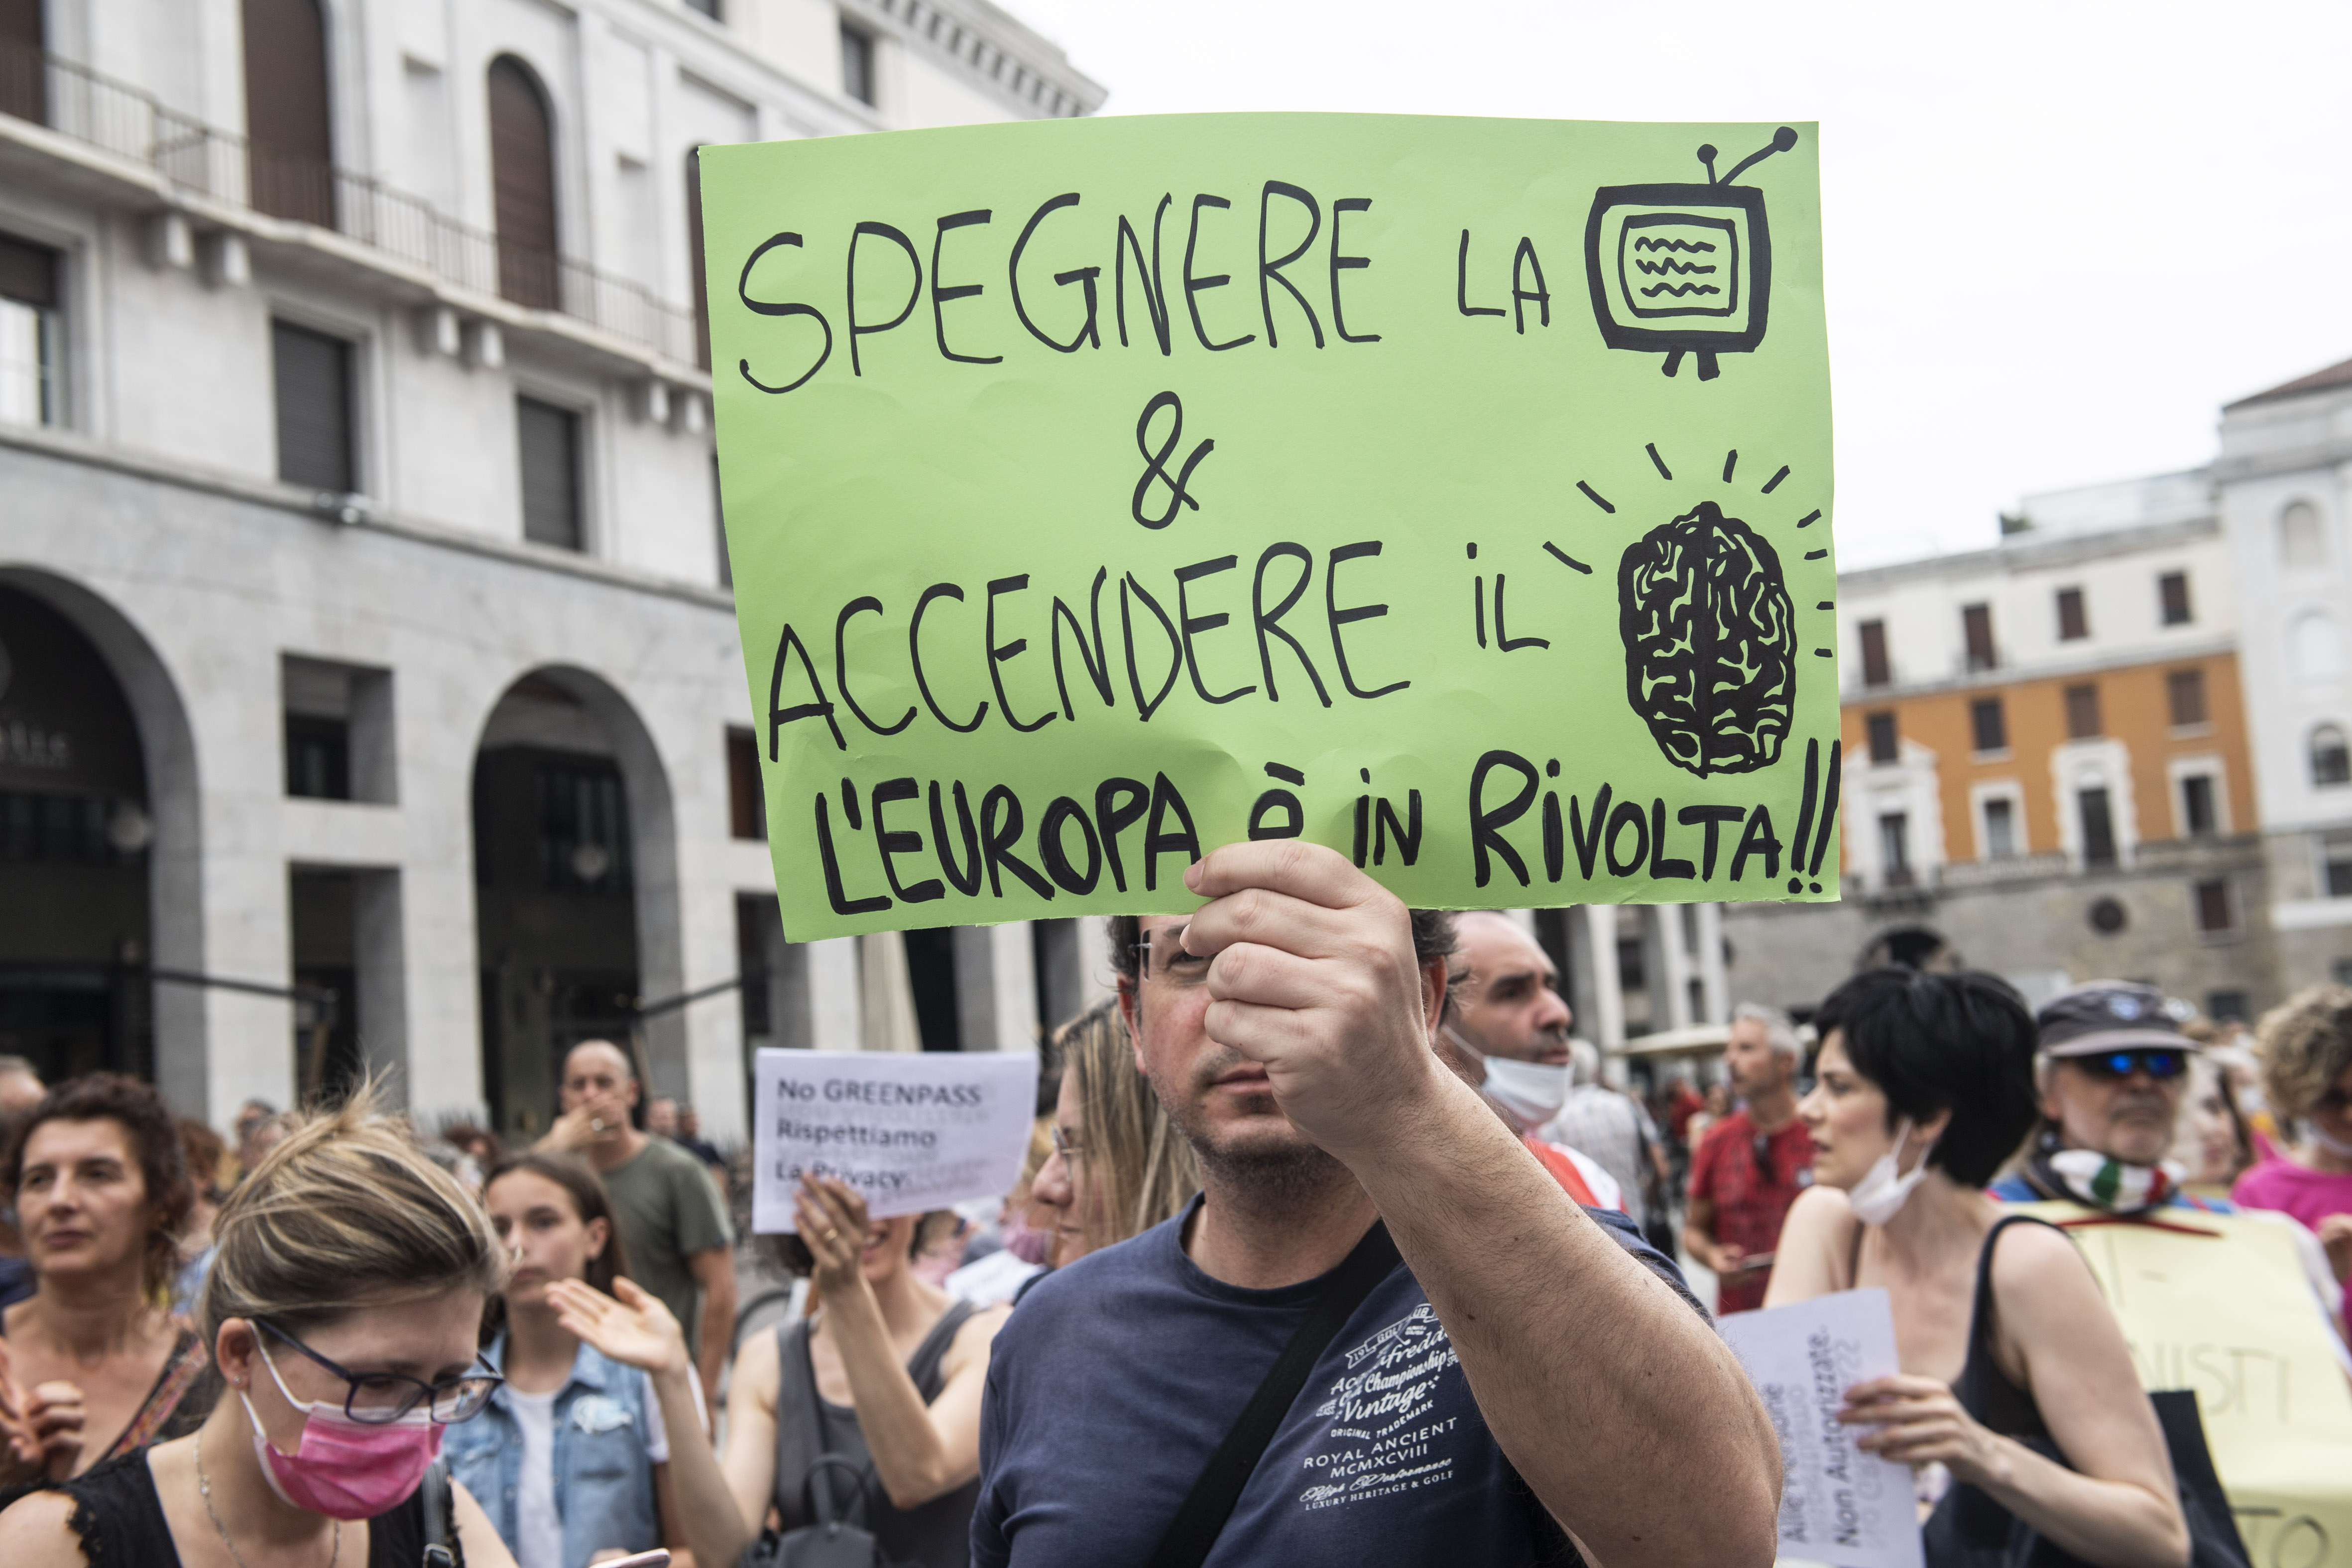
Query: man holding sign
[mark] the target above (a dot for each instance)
(1484, 1366)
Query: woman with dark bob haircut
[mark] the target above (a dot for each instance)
(1924, 1086)
(94, 1364)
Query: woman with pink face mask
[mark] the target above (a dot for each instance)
(342, 1308)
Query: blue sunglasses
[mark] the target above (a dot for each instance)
(2156, 1064)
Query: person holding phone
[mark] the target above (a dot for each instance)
(571, 1455)
(342, 1308)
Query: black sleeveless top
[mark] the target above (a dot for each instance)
(938, 1534)
(120, 1519)
(1969, 1528)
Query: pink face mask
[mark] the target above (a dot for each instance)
(341, 1468)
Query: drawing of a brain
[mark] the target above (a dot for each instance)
(1710, 642)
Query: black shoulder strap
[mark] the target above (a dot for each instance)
(440, 1516)
(1210, 1501)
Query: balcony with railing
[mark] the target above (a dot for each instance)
(116, 118)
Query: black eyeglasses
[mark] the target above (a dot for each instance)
(1163, 951)
(2156, 1064)
(379, 1398)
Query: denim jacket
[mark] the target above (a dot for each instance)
(604, 1481)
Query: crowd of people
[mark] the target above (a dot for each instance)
(1334, 1242)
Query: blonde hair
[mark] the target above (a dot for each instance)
(346, 1213)
(2306, 1043)
(1134, 1157)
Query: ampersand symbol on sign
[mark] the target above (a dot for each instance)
(1156, 463)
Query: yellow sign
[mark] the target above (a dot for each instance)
(2222, 1305)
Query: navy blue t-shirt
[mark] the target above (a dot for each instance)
(1117, 1377)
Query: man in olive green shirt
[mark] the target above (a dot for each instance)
(673, 1222)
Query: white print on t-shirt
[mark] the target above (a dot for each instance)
(1379, 1411)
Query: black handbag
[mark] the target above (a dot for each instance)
(826, 1542)
(829, 1540)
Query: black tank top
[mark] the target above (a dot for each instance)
(936, 1535)
(120, 1519)
(1969, 1528)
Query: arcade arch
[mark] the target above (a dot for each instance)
(98, 818)
(575, 879)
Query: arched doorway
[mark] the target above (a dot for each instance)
(574, 883)
(75, 834)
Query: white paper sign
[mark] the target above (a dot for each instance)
(1838, 1504)
(909, 1131)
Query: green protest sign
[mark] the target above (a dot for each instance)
(1453, 492)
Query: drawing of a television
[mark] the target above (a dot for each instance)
(1683, 268)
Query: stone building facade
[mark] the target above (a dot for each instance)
(371, 688)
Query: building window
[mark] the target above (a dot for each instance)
(747, 807)
(2336, 865)
(522, 184)
(1990, 724)
(2184, 694)
(24, 75)
(2312, 639)
(317, 757)
(2098, 827)
(29, 332)
(1895, 848)
(2214, 914)
(2197, 812)
(2082, 712)
(290, 145)
(1976, 626)
(1884, 746)
(2172, 594)
(313, 384)
(549, 438)
(1999, 828)
(1876, 671)
(2331, 759)
(2301, 540)
(857, 64)
(2074, 622)
(2223, 1006)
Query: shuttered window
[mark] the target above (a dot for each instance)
(2074, 621)
(313, 376)
(24, 79)
(548, 438)
(747, 808)
(1876, 671)
(1975, 628)
(29, 332)
(290, 145)
(2082, 712)
(2184, 691)
(2172, 597)
(522, 181)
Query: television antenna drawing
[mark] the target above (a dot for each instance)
(1684, 268)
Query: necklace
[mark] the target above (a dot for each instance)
(204, 1490)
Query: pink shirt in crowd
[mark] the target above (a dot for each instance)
(2309, 1196)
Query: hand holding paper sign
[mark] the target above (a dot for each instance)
(1920, 1421)
(830, 1222)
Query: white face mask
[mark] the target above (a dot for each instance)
(1531, 1091)
(1881, 1194)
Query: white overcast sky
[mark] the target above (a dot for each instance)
(2060, 236)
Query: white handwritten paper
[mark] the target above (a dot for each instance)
(908, 1132)
(1838, 1504)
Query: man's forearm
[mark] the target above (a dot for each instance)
(1572, 1349)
